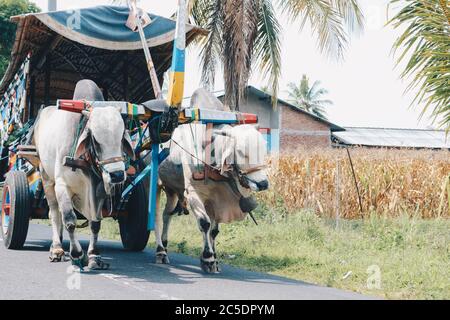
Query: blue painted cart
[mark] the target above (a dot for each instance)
(58, 49)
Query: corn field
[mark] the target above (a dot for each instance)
(390, 182)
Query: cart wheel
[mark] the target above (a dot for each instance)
(15, 210)
(133, 227)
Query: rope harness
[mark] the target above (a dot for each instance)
(90, 159)
(97, 165)
(215, 173)
(213, 168)
(81, 126)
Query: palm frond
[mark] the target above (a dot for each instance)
(318, 111)
(325, 21)
(212, 49)
(314, 90)
(325, 102)
(351, 14)
(268, 46)
(199, 12)
(425, 45)
(318, 93)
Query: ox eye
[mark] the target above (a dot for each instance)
(96, 145)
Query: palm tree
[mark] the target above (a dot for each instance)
(246, 34)
(309, 98)
(426, 43)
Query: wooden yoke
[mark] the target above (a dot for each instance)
(174, 100)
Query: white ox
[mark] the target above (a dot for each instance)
(238, 154)
(84, 191)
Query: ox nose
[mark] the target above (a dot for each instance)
(263, 185)
(117, 176)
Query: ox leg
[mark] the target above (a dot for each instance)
(207, 260)
(70, 221)
(214, 234)
(162, 239)
(95, 260)
(56, 249)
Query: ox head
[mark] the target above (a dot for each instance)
(107, 140)
(244, 154)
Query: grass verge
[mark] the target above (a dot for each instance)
(409, 256)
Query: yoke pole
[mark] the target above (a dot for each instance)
(176, 83)
(148, 57)
(153, 205)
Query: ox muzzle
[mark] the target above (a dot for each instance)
(248, 179)
(114, 168)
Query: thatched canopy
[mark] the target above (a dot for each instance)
(100, 48)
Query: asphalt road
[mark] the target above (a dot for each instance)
(28, 274)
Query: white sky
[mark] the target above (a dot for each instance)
(365, 87)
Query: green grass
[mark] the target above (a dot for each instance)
(412, 254)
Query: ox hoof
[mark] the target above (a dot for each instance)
(80, 262)
(96, 263)
(210, 267)
(162, 258)
(57, 255)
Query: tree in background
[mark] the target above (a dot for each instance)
(245, 35)
(309, 98)
(425, 44)
(10, 8)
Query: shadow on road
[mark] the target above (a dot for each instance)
(134, 275)
(140, 266)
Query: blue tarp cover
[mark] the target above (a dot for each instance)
(104, 27)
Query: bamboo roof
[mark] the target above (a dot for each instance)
(65, 59)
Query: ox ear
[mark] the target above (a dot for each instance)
(83, 144)
(128, 145)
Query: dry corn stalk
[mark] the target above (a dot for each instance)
(392, 182)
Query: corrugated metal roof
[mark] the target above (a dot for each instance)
(394, 138)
